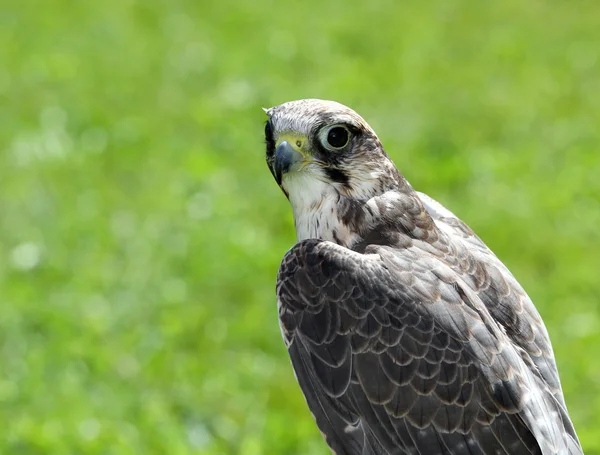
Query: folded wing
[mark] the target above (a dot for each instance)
(397, 353)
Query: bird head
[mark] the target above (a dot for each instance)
(318, 149)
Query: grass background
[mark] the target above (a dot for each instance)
(141, 232)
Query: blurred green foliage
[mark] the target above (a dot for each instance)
(141, 232)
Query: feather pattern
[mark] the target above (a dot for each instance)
(406, 333)
(420, 365)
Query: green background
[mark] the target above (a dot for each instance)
(141, 231)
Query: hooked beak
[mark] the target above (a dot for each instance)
(286, 160)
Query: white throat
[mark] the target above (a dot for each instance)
(315, 208)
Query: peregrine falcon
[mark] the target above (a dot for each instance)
(407, 335)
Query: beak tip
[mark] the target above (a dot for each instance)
(285, 157)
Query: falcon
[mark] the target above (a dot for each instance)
(407, 335)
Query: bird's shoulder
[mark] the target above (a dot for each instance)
(503, 296)
(453, 259)
(399, 331)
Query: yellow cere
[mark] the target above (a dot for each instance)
(297, 141)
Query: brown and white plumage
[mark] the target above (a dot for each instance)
(406, 333)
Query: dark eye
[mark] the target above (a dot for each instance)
(338, 137)
(268, 131)
(269, 139)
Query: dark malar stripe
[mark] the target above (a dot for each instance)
(337, 176)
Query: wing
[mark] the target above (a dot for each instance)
(505, 299)
(395, 353)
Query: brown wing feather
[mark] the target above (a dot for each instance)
(505, 299)
(396, 353)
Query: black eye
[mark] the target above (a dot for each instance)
(269, 139)
(268, 131)
(338, 137)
